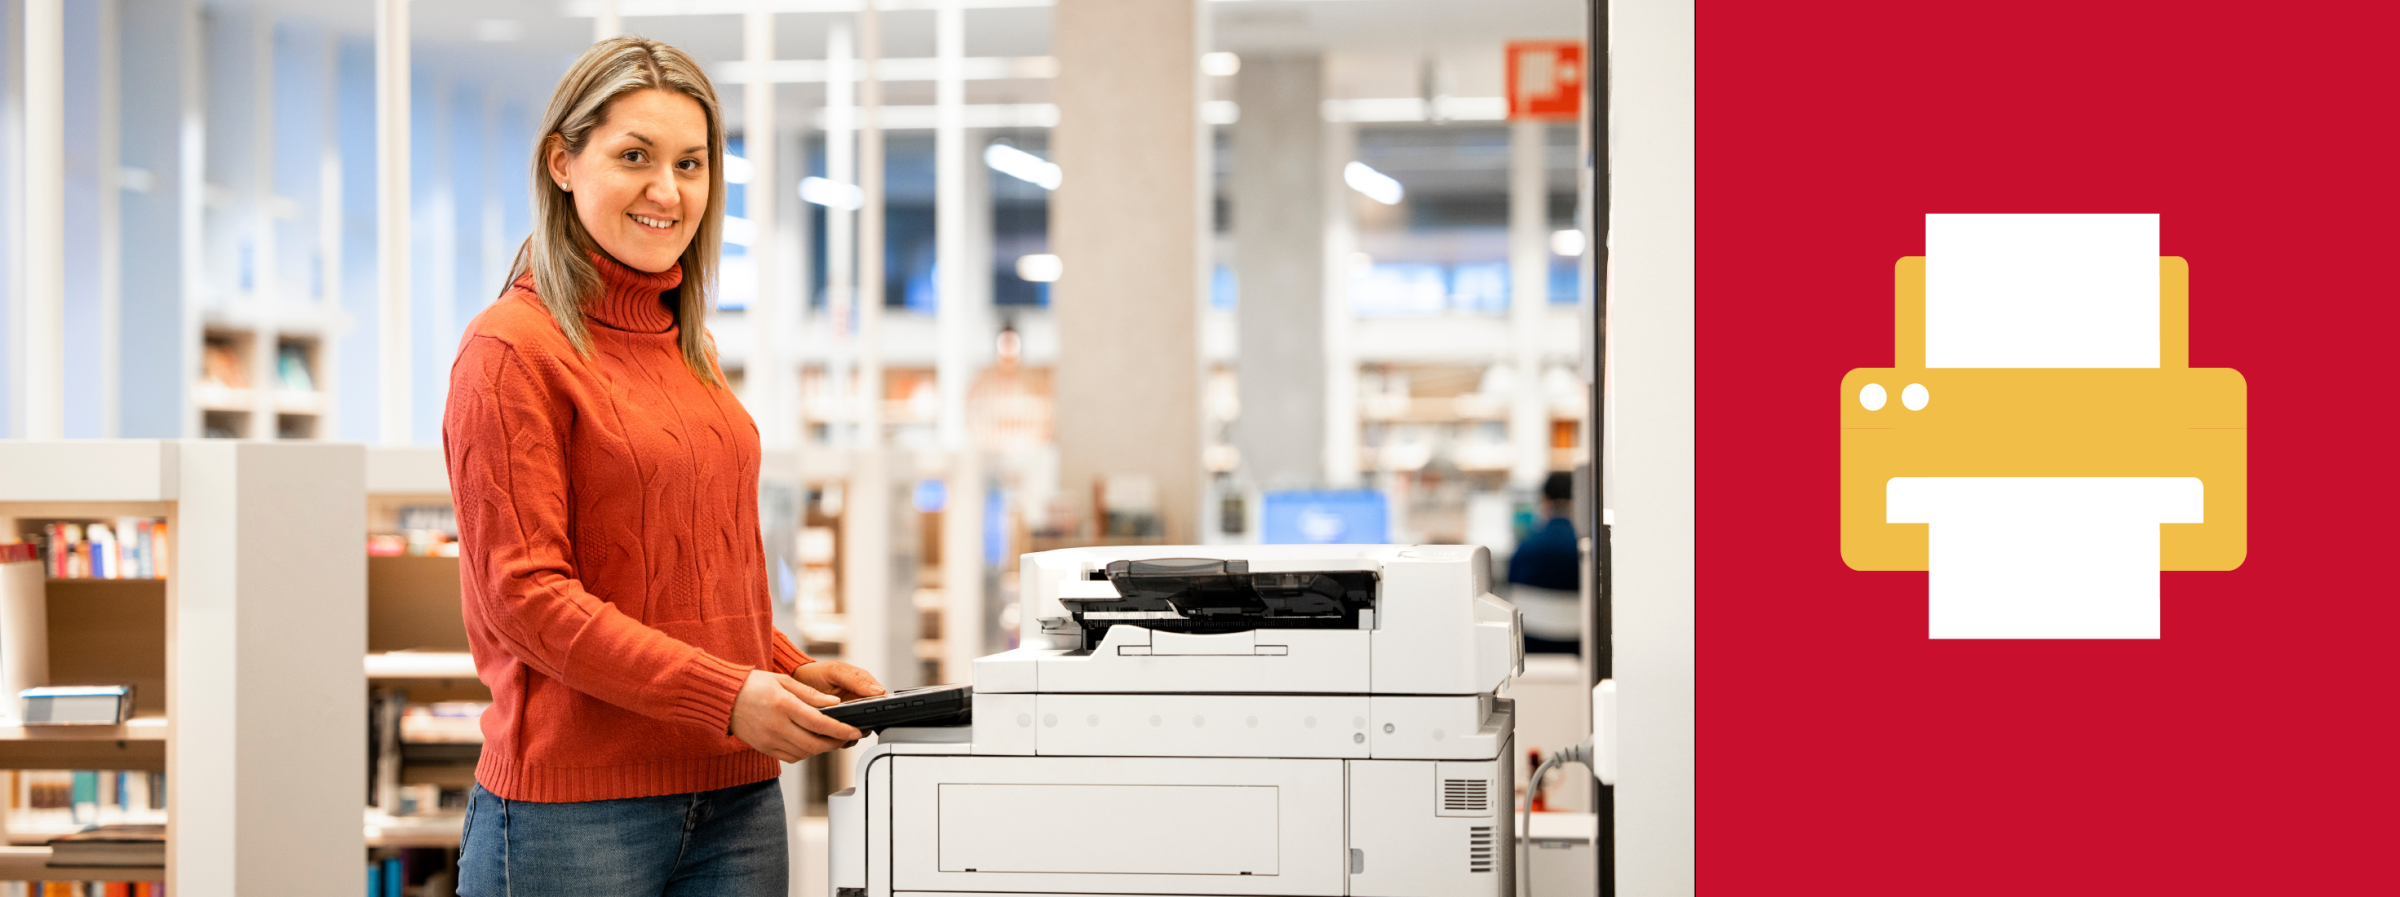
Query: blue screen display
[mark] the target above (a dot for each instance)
(1324, 517)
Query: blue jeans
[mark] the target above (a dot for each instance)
(724, 842)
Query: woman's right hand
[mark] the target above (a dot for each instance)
(777, 714)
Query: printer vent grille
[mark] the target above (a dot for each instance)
(1466, 795)
(1479, 848)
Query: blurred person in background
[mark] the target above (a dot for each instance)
(1008, 407)
(1545, 576)
(606, 481)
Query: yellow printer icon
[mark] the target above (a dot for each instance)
(2172, 420)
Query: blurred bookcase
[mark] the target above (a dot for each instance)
(244, 656)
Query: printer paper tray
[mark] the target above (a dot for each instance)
(1132, 825)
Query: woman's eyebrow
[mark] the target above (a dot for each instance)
(638, 136)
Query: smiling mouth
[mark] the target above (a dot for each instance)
(652, 223)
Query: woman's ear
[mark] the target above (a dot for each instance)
(555, 159)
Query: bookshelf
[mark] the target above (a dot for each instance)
(244, 657)
(261, 381)
(416, 647)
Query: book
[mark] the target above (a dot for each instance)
(112, 845)
(128, 548)
(76, 705)
(222, 368)
(291, 367)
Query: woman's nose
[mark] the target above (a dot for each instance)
(663, 189)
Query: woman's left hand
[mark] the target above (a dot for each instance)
(838, 679)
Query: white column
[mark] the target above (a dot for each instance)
(391, 215)
(267, 621)
(962, 567)
(191, 196)
(841, 230)
(778, 423)
(45, 336)
(870, 227)
(1279, 233)
(950, 209)
(1650, 305)
(796, 235)
(267, 281)
(867, 570)
(1341, 355)
(329, 243)
(609, 23)
(111, 220)
(1528, 302)
(1127, 224)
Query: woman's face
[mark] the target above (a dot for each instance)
(641, 182)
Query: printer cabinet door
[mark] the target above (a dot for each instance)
(1118, 825)
(1431, 828)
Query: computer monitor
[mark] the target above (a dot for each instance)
(1324, 517)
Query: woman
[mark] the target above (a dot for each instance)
(607, 491)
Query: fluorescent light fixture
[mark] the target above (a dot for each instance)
(1040, 268)
(1567, 242)
(1022, 165)
(1398, 109)
(740, 231)
(1220, 63)
(737, 169)
(1375, 184)
(832, 194)
(1220, 112)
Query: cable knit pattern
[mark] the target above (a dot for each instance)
(615, 588)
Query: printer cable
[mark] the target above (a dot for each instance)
(1581, 753)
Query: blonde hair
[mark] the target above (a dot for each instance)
(559, 252)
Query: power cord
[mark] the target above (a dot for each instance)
(1581, 753)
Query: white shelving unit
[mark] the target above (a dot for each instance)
(416, 639)
(264, 622)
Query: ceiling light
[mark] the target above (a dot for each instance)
(1040, 268)
(1376, 185)
(1220, 63)
(737, 169)
(832, 194)
(1567, 242)
(1022, 165)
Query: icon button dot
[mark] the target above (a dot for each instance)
(1915, 397)
(1871, 397)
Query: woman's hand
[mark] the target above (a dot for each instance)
(839, 679)
(777, 714)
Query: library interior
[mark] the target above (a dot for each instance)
(1073, 361)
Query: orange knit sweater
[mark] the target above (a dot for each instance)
(615, 588)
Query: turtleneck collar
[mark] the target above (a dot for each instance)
(629, 300)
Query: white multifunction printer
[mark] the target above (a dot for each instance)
(1286, 720)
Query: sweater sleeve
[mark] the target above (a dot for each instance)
(789, 657)
(505, 435)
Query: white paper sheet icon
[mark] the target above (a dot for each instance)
(2041, 291)
(2043, 557)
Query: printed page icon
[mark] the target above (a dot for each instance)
(2041, 444)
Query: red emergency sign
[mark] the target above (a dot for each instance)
(1545, 79)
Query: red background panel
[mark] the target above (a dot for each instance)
(2255, 748)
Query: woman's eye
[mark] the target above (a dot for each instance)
(632, 156)
(689, 164)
